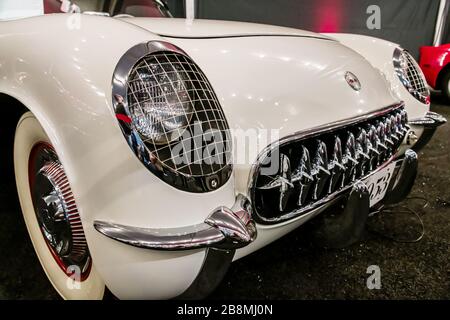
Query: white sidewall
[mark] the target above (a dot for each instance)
(29, 132)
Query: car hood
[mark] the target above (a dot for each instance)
(290, 84)
(199, 28)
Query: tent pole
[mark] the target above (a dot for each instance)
(441, 21)
(190, 9)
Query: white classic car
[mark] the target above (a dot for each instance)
(127, 133)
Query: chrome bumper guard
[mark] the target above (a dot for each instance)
(223, 229)
(401, 186)
(430, 122)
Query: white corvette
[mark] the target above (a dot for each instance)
(126, 134)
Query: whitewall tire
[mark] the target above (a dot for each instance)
(68, 283)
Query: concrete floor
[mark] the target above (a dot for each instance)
(292, 268)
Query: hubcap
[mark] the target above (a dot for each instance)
(56, 211)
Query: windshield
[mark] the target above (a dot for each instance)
(13, 9)
(142, 8)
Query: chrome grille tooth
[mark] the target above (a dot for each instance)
(286, 184)
(398, 125)
(303, 176)
(394, 129)
(404, 116)
(349, 158)
(320, 169)
(336, 166)
(388, 133)
(373, 140)
(304, 168)
(282, 183)
(321, 158)
(401, 126)
(362, 152)
(381, 131)
(382, 143)
(362, 144)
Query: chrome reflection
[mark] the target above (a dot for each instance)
(303, 176)
(336, 166)
(321, 165)
(320, 170)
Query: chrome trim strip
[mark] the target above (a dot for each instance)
(431, 119)
(430, 122)
(305, 135)
(226, 229)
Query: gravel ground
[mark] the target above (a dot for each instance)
(292, 268)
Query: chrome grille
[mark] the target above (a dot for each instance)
(410, 75)
(173, 81)
(315, 167)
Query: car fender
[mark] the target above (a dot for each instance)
(433, 60)
(380, 54)
(62, 72)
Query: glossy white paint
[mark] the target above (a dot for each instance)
(276, 82)
(66, 83)
(379, 53)
(287, 86)
(201, 28)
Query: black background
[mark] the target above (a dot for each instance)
(410, 23)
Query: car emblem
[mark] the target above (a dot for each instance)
(353, 81)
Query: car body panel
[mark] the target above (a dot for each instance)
(380, 53)
(201, 28)
(432, 61)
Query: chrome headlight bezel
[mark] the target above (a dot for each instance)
(410, 75)
(199, 174)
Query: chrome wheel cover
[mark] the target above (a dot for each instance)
(56, 211)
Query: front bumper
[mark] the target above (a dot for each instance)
(228, 234)
(227, 229)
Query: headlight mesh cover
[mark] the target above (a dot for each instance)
(175, 124)
(410, 75)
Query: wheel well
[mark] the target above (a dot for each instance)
(441, 76)
(11, 110)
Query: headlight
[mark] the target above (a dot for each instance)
(171, 117)
(411, 75)
(158, 99)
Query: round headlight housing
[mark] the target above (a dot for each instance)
(411, 76)
(172, 118)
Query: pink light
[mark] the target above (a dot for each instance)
(329, 16)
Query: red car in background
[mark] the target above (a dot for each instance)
(435, 63)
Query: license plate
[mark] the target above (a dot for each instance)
(378, 183)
